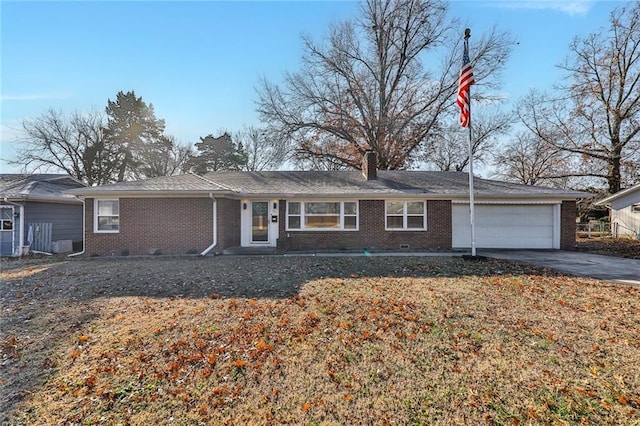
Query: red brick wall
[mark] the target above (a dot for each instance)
(228, 224)
(169, 225)
(372, 234)
(568, 225)
(181, 225)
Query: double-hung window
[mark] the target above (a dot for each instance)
(106, 216)
(405, 215)
(322, 215)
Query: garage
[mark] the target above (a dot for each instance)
(518, 226)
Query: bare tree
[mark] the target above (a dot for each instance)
(263, 151)
(74, 144)
(78, 144)
(369, 88)
(596, 116)
(449, 150)
(532, 161)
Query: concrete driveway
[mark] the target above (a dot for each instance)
(609, 268)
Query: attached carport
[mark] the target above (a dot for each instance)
(514, 225)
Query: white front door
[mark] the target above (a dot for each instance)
(259, 220)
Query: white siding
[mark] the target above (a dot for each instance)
(625, 222)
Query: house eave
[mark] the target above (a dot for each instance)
(533, 197)
(95, 193)
(607, 201)
(41, 199)
(151, 194)
(407, 195)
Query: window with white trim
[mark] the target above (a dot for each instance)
(405, 215)
(322, 215)
(106, 216)
(635, 208)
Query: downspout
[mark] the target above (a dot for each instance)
(215, 227)
(21, 227)
(84, 231)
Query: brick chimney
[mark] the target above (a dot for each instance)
(370, 165)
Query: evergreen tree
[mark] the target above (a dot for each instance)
(219, 153)
(133, 127)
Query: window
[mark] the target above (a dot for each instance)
(635, 208)
(350, 215)
(293, 215)
(6, 218)
(107, 216)
(406, 215)
(322, 215)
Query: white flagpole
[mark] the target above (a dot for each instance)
(472, 214)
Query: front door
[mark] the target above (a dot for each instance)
(260, 222)
(7, 230)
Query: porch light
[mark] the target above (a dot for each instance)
(244, 206)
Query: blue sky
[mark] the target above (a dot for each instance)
(199, 62)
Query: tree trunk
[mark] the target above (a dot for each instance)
(614, 179)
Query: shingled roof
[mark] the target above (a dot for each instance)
(38, 187)
(291, 184)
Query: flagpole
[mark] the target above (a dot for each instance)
(472, 215)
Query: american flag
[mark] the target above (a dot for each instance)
(466, 80)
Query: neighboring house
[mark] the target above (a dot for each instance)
(314, 210)
(624, 207)
(38, 203)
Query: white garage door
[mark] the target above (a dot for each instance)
(507, 226)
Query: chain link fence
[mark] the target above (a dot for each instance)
(593, 229)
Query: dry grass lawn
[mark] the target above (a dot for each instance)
(304, 340)
(619, 247)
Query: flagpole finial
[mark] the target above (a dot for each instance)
(467, 33)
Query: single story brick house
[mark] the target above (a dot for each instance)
(37, 214)
(624, 211)
(322, 210)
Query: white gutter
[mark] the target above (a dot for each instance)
(84, 231)
(215, 227)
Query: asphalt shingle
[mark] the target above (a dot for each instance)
(332, 183)
(37, 186)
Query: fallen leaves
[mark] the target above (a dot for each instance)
(212, 358)
(366, 348)
(239, 363)
(620, 247)
(9, 347)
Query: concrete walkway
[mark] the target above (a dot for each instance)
(609, 268)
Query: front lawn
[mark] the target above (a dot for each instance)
(310, 340)
(619, 247)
